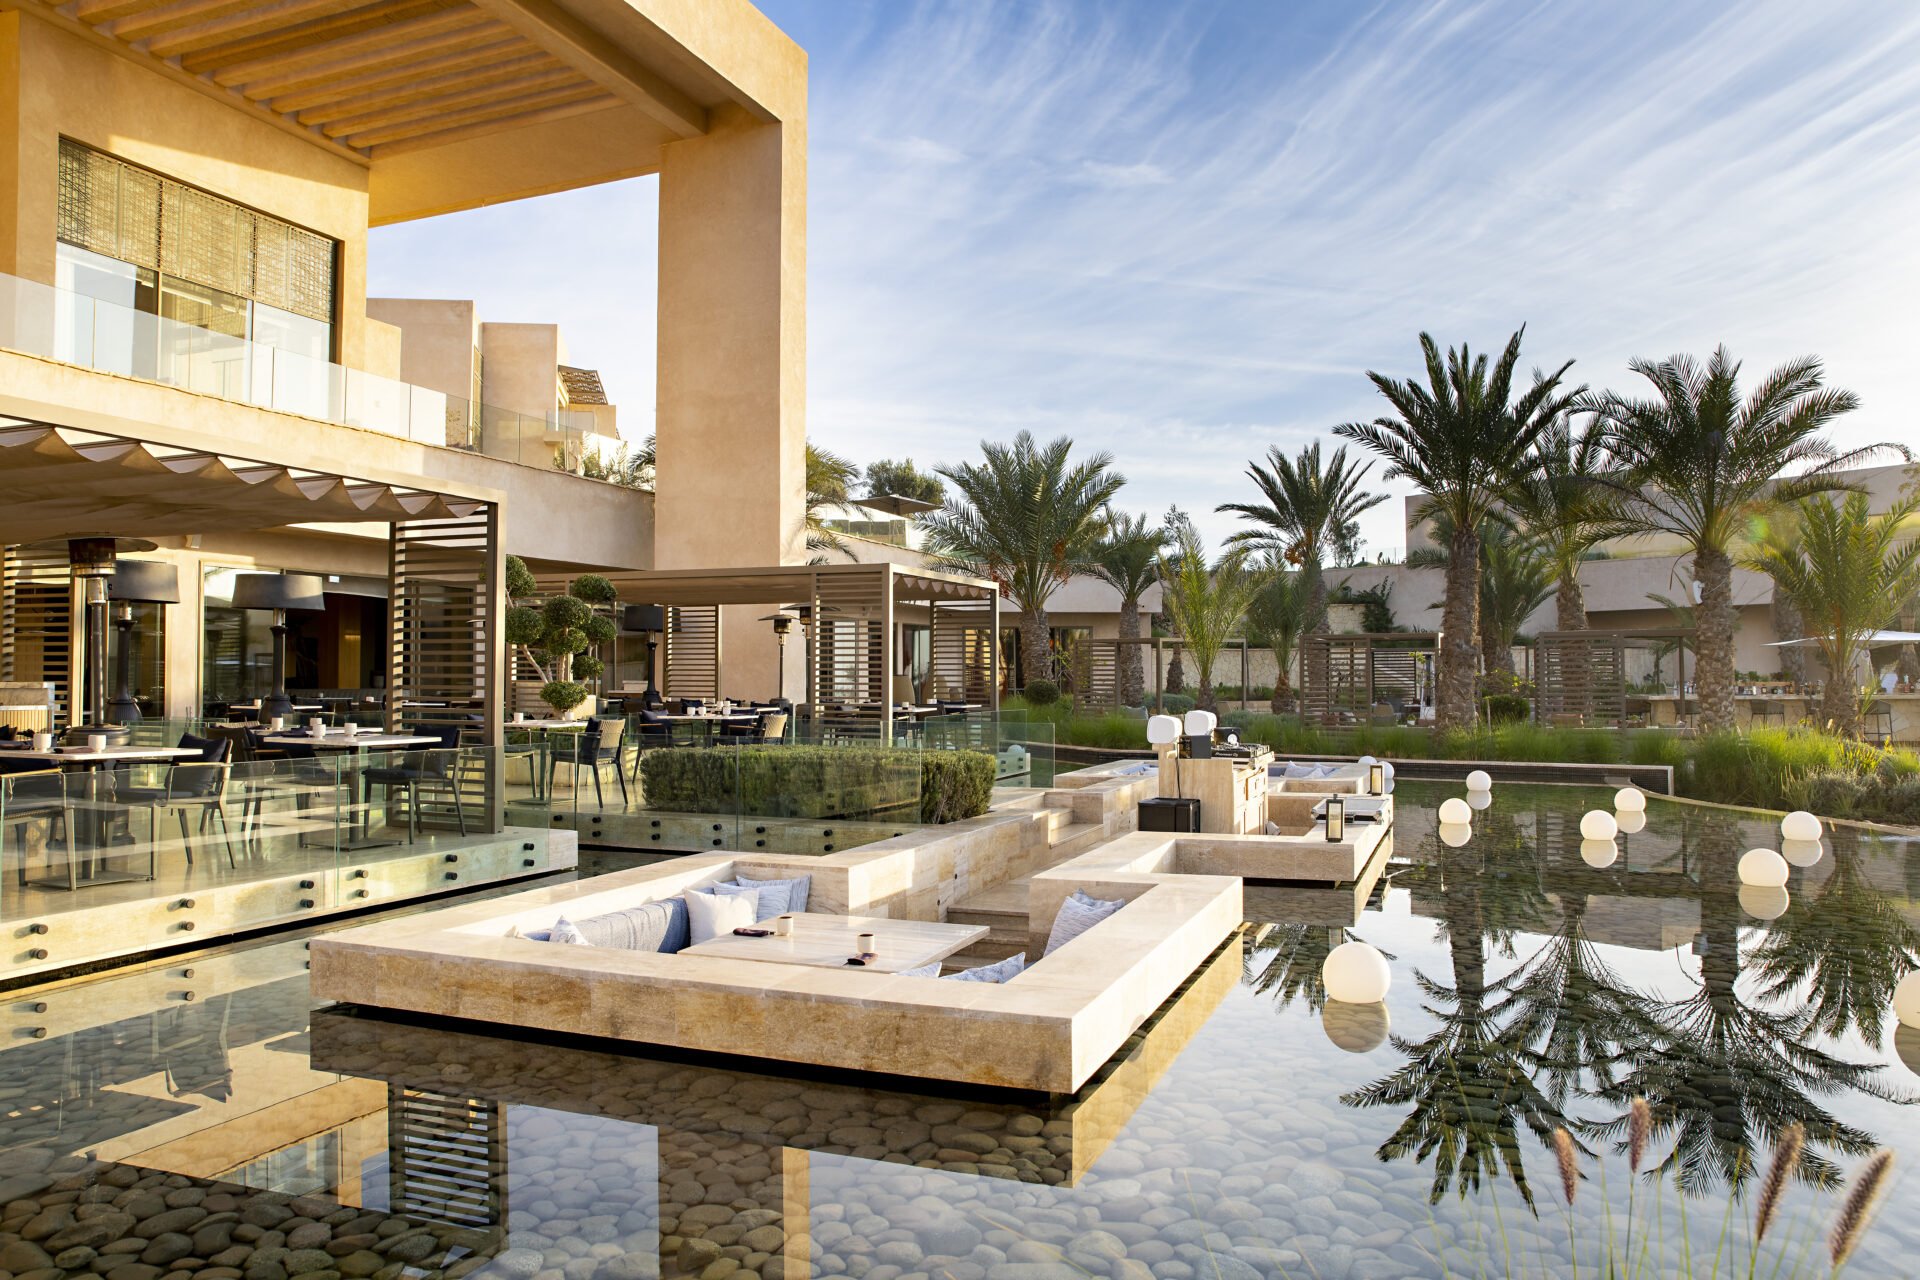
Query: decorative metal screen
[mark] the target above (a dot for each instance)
(691, 666)
(113, 208)
(36, 622)
(962, 651)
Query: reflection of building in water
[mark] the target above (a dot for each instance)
(446, 1157)
(1645, 924)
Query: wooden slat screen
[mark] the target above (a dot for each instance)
(960, 647)
(36, 623)
(446, 1158)
(851, 622)
(1583, 676)
(691, 667)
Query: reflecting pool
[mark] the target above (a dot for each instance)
(202, 1120)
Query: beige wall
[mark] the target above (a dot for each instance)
(520, 367)
(55, 83)
(439, 339)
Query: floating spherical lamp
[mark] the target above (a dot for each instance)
(1454, 812)
(1479, 780)
(1629, 800)
(1388, 766)
(1802, 853)
(1357, 1028)
(1763, 867)
(1799, 825)
(1599, 854)
(1598, 825)
(1906, 1044)
(1906, 1000)
(1455, 834)
(1356, 973)
(1631, 821)
(1364, 761)
(1763, 901)
(1477, 800)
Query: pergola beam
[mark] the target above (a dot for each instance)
(560, 33)
(394, 88)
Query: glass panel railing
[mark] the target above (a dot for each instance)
(1022, 748)
(75, 328)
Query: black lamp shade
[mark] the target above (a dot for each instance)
(277, 591)
(644, 617)
(152, 581)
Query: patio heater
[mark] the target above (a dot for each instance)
(143, 582)
(91, 561)
(279, 592)
(649, 620)
(782, 624)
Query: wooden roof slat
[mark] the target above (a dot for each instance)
(426, 140)
(462, 70)
(445, 104)
(271, 22)
(97, 12)
(393, 40)
(508, 107)
(154, 19)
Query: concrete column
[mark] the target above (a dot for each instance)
(731, 407)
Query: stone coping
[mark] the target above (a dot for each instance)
(1048, 1029)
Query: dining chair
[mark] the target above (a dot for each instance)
(587, 750)
(435, 769)
(192, 786)
(30, 796)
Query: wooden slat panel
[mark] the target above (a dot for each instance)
(691, 667)
(960, 649)
(36, 623)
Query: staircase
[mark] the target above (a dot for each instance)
(1003, 908)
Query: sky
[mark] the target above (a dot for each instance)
(1183, 233)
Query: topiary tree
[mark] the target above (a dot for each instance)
(555, 634)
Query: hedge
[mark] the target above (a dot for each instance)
(818, 782)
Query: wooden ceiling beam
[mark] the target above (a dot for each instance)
(349, 21)
(413, 83)
(165, 17)
(474, 115)
(194, 36)
(402, 60)
(94, 12)
(581, 46)
(586, 106)
(559, 77)
(393, 43)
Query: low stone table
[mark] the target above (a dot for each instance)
(828, 940)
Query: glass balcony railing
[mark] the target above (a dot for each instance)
(75, 328)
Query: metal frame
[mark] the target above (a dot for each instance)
(1584, 673)
(1335, 667)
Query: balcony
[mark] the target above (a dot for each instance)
(74, 328)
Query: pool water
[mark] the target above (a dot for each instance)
(1252, 1130)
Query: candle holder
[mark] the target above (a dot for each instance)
(1336, 819)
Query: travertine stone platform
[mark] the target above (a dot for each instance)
(1048, 1029)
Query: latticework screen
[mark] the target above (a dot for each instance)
(1582, 676)
(446, 1158)
(852, 615)
(36, 623)
(691, 665)
(962, 651)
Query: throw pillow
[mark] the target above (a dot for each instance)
(779, 897)
(924, 971)
(999, 971)
(713, 915)
(1076, 917)
(564, 931)
(748, 892)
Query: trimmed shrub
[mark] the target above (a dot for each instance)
(1507, 708)
(955, 785)
(1041, 693)
(563, 695)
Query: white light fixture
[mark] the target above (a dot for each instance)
(1200, 724)
(1356, 973)
(1800, 825)
(1763, 867)
(1764, 901)
(1364, 761)
(1388, 766)
(1479, 780)
(1906, 1000)
(1598, 825)
(1336, 819)
(1630, 800)
(1802, 853)
(1162, 730)
(1376, 779)
(1455, 834)
(1631, 821)
(1478, 800)
(1599, 854)
(1454, 812)
(1356, 1028)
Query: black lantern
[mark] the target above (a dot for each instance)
(1336, 819)
(279, 592)
(1376, 779)
(134, 582)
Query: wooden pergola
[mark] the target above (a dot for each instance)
(851, 615)
(1581, 676)
(1343, 677)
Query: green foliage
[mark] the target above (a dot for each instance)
(1507, 708)
(1206, 605)
(1041, 693)
(830, 480)
(1310, 516)
(594, 589)
(587, 667)
(904, 480)
(955, 785)
(563, 613)
(524, 625)
(520, 583)
(626, 468)
(600, 629)
(563, 695)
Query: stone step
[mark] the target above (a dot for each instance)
(1071, 841)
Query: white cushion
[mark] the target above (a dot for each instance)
(1077, 915)
(714, 915)
(998, 971)
(564, 931)
(924, 971)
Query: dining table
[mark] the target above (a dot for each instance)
(95, 804)
(357, 744)
(827, 941)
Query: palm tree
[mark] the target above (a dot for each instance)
(1465, 438)
(1127, 558)
(1779, 532)
(1280, 613)
(1702, 464)
(1568, 508)
(1205, 605)
(1310, 515)
(1848, 574)
(1026, 519)
(1516, 578)
(830, 481)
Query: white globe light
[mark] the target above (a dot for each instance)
(1364, 761)
(1763, 901)
(1906, 1000)
(1479, 780)
(1356, 973)
(1357, 1028)
(1629, 800)
(1455, 834)
(1598, 853)
(1598, 825)
(1388, 767)
(1799, 825)
(1631, 820)
(1454, 812)
(1201, 723)
(1802, 853)
(1479, 799)
(1163, 729)
(1763, 867)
